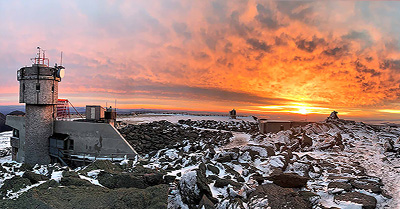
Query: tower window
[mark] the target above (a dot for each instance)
(15, 133)
(38, 87)
(52, 88)
(23, 87)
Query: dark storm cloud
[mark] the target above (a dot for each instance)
(357, 35)
(240, 28)
(362, 36)
(219, 9)
(390, 64)
(361, 68)
(298, 10)
(368, 86)
(182, 29)
(209, 38)
(267, 18)
(309, 46)
(281, 40)
(336, 52)
(259, 45)
(201, 55)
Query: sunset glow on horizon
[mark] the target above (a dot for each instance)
(277, 58)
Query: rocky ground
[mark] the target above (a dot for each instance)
(214, 164)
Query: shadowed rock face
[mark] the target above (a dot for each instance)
(72, 191)
(148, 138)
(288, 180)
(14, 184)
(91, 197)
(367, 202)
(279, 197)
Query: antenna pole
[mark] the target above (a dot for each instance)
(115, 105)
(44, 56)
(61, 58)
(38, 55)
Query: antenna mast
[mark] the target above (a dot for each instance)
(61, 58)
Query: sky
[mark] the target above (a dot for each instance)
(282, 59)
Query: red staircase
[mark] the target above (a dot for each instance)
(63, 109)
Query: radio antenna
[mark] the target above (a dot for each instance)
(61, 59)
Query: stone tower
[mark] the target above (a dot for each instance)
(39, 91)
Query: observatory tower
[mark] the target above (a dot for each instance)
(39, 91)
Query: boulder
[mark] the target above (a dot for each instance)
(152, 179)
(34, 177)
(340, 185)
(26, 167)
(277, 197)
(169, 179)
(279, 161)
(259, 150)
(14, 184)
(220, 183)
(69, 181)
(338, 139)
(123, 180)
(104, 165)
(366, 185)
(2, 169)
(367, 202)
(389, 145)
(258, 178)
(288, 180)
(192, 186)
(223, 158)
(306, 141)
(213, 169)
(206, 203)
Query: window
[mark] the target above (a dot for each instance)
(52, 88)
(15, 133)
(23, 87)
(38, 87)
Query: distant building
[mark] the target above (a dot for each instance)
(94, 112)
(273, 126)
(232, 114)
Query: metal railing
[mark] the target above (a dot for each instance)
(92, 156)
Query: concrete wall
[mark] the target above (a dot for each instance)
(97, 138)
(18, 122)
(299, 123)
(276, 126)
(266, 127)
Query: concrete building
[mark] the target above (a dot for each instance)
(273, 126)
(38, 138)
(232, 114)
(94, 112)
